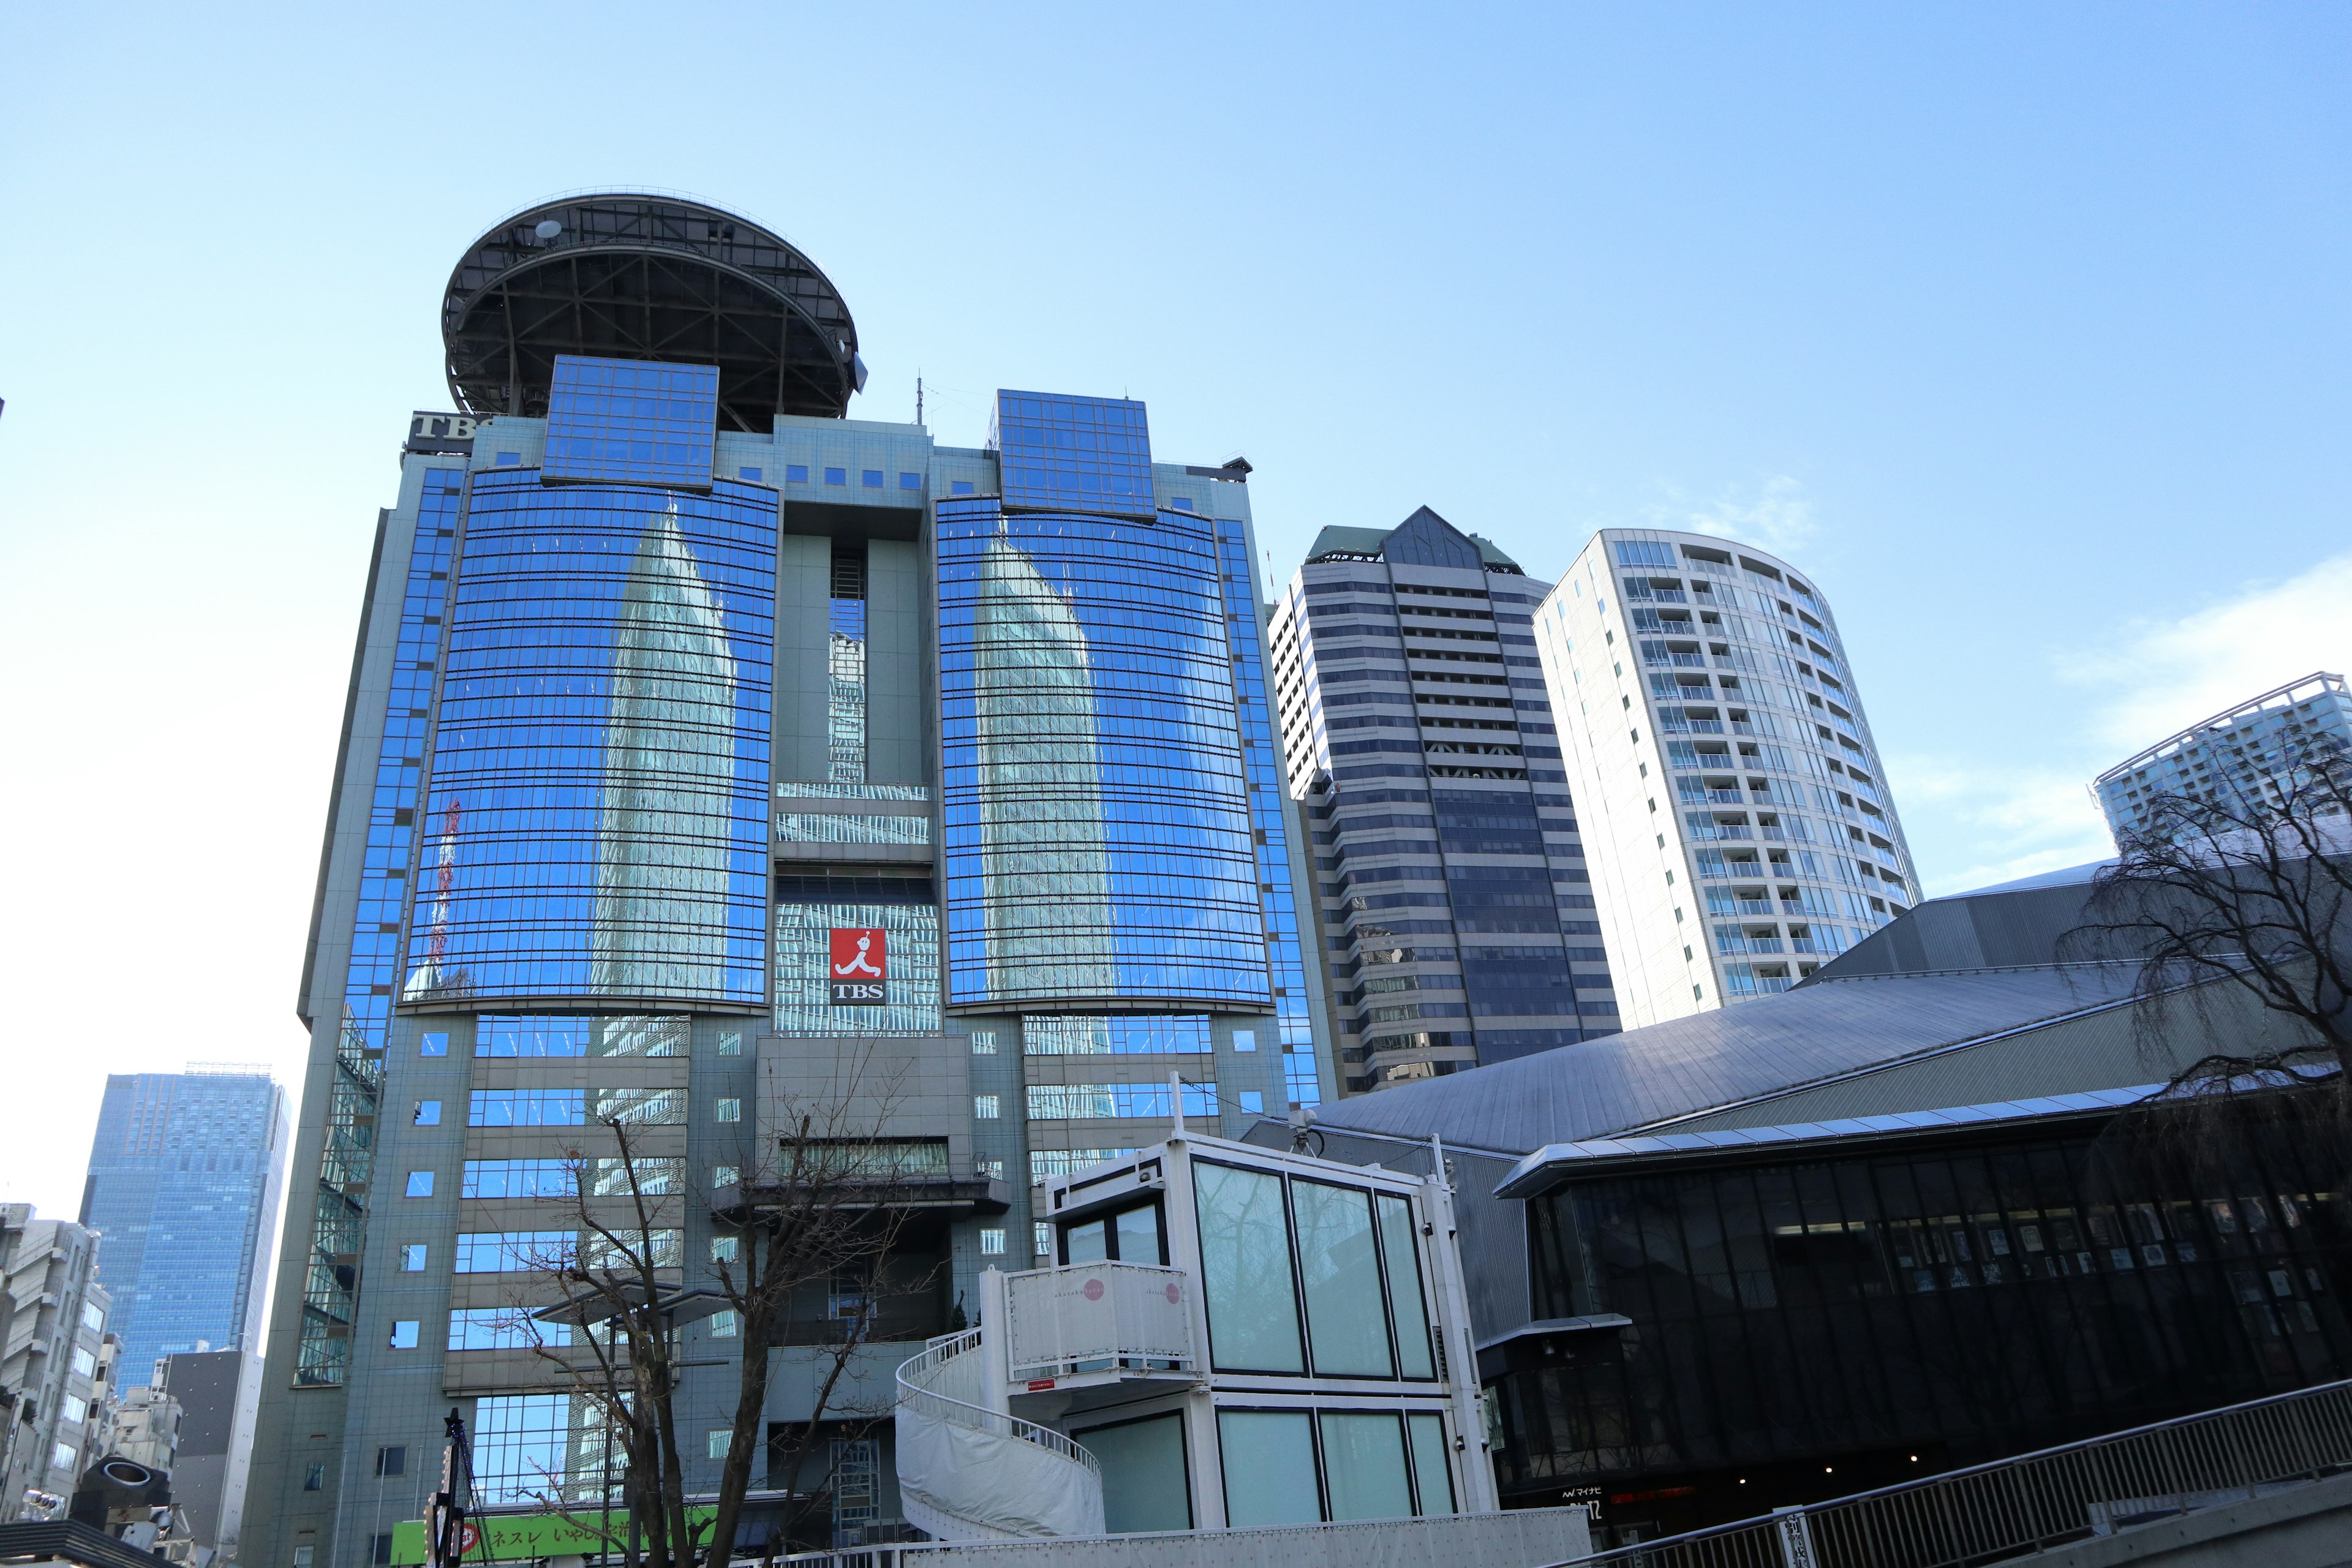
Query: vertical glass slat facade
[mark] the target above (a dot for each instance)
(596, 826)
(1096, 822)
(1300, 1080)
(346, 1167)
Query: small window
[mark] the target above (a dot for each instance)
(836, 476)
(726, 1175)
(729, 1109)
(314, 1479)
(719, 1441)
(796, 473)
(84, 1363)
(1182, 503)
(392, 1460)
(911, 481)
(731, 1042)
(991, 1243)
(872, 477)
(1041, 1244)
(412, 1258)
(1245, 1039)
(61, 1458)
(404, 1334)
(93, 1317)
(302, 1555)
(380, 1549)
(428, 1113)
(983, 1042)
(436, 1044)
(1252, 1100)
(420, 1184)
(959, 487)
(509, 459)
(725, 1325)
(752, 474)
(76, 1409)
(723, 1249)
(983, 1107)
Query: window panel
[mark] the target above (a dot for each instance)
(1433, 1470)
(1245, 1265)
(1339, 1265)
(1269, 1460)
(1408, 1312)
(1363, 1464)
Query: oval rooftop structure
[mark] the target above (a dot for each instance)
(629, 275)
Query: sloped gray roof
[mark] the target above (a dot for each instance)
(1371, 541)
(1710, 1060)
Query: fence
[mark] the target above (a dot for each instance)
(2011, 1507)
(1058, 1320)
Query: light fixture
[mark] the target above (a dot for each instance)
(548, 228)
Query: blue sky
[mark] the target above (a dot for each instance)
(2024, 328)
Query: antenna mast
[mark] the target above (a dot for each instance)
(919, 400)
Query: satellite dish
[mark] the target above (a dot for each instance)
(548, 228)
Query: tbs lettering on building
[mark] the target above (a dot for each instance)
(861, 963)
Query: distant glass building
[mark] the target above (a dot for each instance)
(2244, 759)
(1453, 910)
(186, 1175)
(707, 747)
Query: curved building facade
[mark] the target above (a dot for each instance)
(1734, 804)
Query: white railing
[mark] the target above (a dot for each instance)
(966, 1471)
(1097, 1316)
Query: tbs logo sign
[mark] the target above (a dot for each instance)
(861, 963)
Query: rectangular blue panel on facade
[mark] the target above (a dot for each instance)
(632, 420)
(1074, 454)
(1097, 840)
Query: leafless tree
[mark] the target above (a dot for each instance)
(2245, 893)
(808, 1254)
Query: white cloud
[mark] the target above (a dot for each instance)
(1975, 821)
(2167, 675)
(1774, 516)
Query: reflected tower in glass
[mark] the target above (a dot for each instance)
(675, 685)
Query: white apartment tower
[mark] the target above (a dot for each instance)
(1734, 811)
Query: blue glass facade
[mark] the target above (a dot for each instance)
(1293, 1019)
(181, 1189)
(596, 826)
(632, 420)
(1074, 454)
(1098, 827)
(347, 1163)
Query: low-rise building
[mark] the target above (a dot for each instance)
(52, 1330)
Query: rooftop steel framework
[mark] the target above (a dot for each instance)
(634, 275)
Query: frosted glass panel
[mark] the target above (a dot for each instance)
(1245, 1260)
(1363, 1457)
(1269, 1465)
(1087, 1243)
(1342, 1269)
(1143, 1475)
(1429, 1467)
(1408, 1312)
(1138, 1236)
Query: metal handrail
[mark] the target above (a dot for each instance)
(2033, 1501)
(940, 1406)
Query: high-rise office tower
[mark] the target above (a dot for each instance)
(704, 746)
(184, 1187)
(1735, 808)
(2245, 759)
(1454, 915)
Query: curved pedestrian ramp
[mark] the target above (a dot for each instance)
(2268, 1482)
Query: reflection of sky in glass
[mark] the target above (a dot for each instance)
(1097, 833)
(595, 825)
(632, 420)
(535, 1446)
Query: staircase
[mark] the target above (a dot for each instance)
(970, 1471)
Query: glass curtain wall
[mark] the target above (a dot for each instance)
(1983, 1297)
(1098, 832)
(595, 826)
(331, 1281)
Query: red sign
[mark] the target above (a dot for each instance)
(1040, 1384)
(860, 963)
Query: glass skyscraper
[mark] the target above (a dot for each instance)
(183, 1188)
(705, 746)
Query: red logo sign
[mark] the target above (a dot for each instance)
(860, 959)
(859, 953)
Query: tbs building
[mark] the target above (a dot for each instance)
(702, 740)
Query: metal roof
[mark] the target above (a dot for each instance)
(1532, 1173)
(1643, 1078)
